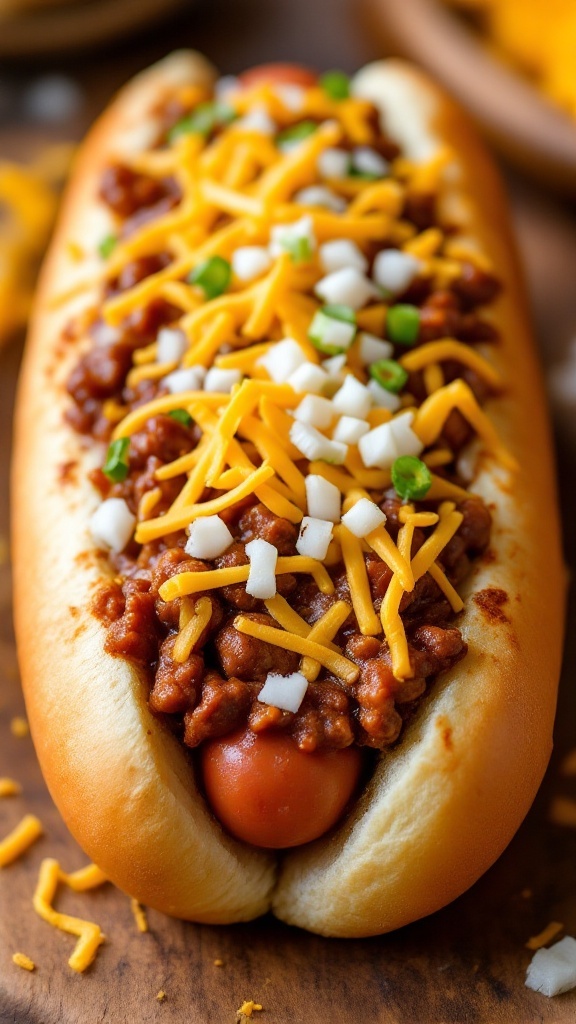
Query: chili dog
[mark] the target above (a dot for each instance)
(279, 480)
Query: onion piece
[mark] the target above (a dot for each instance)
(333, 163)
(314, 537)
(315, 410)
(353, 398)
(363, 517)
(340, 253)
(221, 380)
(366, 160)
(314, 445)
(350, 429)
(319, 195)
(250, 261)
(209, 537)
(190, 378)
(284, 692)
(112, 524)
(553, 970)
(371, 349)
(395, 270)
(171, 345)
(347, 286)
(257, 120)
(282, 359)
(383, 398)
(261, 581)
(283, 236)
(308, 377)
(322, 498)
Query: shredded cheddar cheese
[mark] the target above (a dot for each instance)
(270, 424)
(139, 915)
(19, 727)
(545, 936)
(89, 935)
(23, 961)
(9, 787)
(20, 839)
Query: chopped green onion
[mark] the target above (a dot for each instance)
(296, 132)
(299, 248)
(203, 120)
(181, 416)
(389, 374)
(411, 478)
(363, 175)
(336, 85)
(332, 329)
(212, 275)
(116, 465)
(107, 245)
(403, 324)
(338, 312)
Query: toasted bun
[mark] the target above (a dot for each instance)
(443, 805)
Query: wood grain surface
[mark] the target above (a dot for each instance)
(464, 965)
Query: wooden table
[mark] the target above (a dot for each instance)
(464, 965)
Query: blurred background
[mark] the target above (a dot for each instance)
(513, 63)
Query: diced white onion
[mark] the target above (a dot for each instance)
(368, 161)
(363, 517)
(335, 365)
(319, 195)
(407, 441)
(315, 410)
(314, 445)
(383, 398)
(112, 524)
(284, 692)
(381, 446)
(347, 286)
(371, 348)
(261, 581)
(191, 378)
(282, 359)
(209, 537)
(395, 270)
(314, 537)
(378, 447)
(334, 163)
(282, 235)
(292, 96)
(340, 253)
(353, 399)
(322, 498)
(350, 429)
(221, 380)
(249, 261)
(553, 970)
(171, 345)
(308, 377)
(257, 120)
(329, 332)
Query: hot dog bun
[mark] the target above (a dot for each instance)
(442, 806)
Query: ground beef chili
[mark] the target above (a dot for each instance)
(215, 689)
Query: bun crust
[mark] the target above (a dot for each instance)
(443, 805)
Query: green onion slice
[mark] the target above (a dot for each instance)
(203, 120)
(299, 248)
(411, 478)
(212, 275)
(336, 85)
(403, 324)
(107, 245)
(389, 374)
(322, 329)
(181, 416)
(296, 132)
(116, 465)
